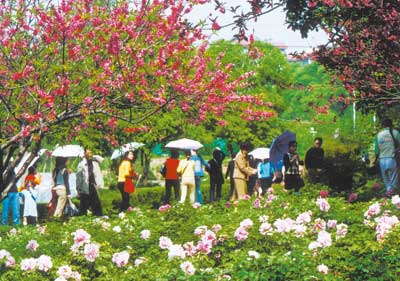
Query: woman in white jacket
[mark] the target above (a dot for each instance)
(186, 171)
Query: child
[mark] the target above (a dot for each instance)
(30, 207)
(32, 177)
(265, 174)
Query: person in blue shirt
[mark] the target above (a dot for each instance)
(11, 201)
(199, 162)
(265, 174)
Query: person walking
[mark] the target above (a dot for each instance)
(11, 201)
(171, 176)
(241, 172)
(29, 195)
(314, 161)
(216, 176)
(292, 170)
(386, 143)
(186, 170)
(252, 179)
(265, 175)
(229, 173)
(199, 162)
(61, 185)
(88, 179)
(126, 173)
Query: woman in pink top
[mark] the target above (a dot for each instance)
(171, 176)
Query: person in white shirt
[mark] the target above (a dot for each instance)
(186, 171)
(30, 205)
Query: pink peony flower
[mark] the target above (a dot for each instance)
(299, 230)
(323, 204)
(352, 197)
(12, 232)
(263, 218)
(270, 190)
(4, 254)
(228, 204)
(64, 271)
(145, 234)
(285, 225)
(91, 252)
(165, 242)
(241, 234)
(81, 237)
(196, 205)
(28, 264)
(257, 204)
(44, 263)
(32, 245)
(188, 268)
(204, 246)
(314, 245)
(247, 223)
(341, 230)
(10, 261)
(200, 230)
(176, 251)
(332, 223)
(209, 236)
(41, 229)
(373, 210)
(246, 197)
(265, 229)
(190, 249)
(396, 201)
(120, 259)
(304, 217)
(324, 193)
(323, 269)
(324, 238)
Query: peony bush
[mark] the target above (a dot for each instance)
(306, 237)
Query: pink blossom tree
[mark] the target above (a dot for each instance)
(73, 65)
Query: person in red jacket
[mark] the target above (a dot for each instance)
(171, 176)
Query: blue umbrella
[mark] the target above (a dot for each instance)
(280, 146)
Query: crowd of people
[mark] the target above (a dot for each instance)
(248, 176)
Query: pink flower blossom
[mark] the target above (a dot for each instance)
(241, 234)
(165, 242)
(204, 246)
(341, 230)
(10, 261)
(188, 268)
(145, 234)
(304, 217)
(210, 237)
(319, 224)
(270, 190)
(285, 225)
(44, 263)
(323, 204)
(32, 245)
(28, 264)
(323, 269)
(352, 197)
(396, 201)
(4, 254)
(314, 245)
(175, 251)
(12, 231)
(246, 197)
(384, 225)
(41, 229)
(247, 223)
(81, 237)
(332, 223)
(324, 193)
(190, 249)
(265, 229)
(196, 205)
(257, 204)
(64, 271)
(373, 210)
(200, 230)
(120, 259)
(299, 230)
(91, 252)
(324, 238)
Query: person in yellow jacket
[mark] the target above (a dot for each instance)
(241, 172)
(186, 171)
(125, 170)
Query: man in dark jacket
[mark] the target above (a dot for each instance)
(314, 161)
(216, 176)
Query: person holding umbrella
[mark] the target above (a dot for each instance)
(186, 171)
(292, 170)
(241, 172)
(126, 173)
(88, 180)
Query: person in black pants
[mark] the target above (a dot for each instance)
(229, 173)
(88, 179)
(216, 176)
(251, 183)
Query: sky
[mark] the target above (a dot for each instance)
(270, 27)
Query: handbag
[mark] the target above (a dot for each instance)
(70, 209)
(163, 170)
(129, 186)
(396, 149)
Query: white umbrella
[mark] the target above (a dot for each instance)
(184, 144)
(260, 153)
(124, 148)
(70, 150)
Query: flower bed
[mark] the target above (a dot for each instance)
(280, 237)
